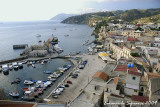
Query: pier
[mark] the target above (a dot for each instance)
(21, 46)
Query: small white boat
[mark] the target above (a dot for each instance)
(14, 94)
(42, 63)
(33, 66)
(38, 35)
(20, 65)
(27, 82)
(10, 67)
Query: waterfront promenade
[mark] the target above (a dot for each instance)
(84, 77)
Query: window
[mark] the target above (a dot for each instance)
(133, 78)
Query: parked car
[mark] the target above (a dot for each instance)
(69, 82)
(77, 71)
(66, 85)
(84, 62)
(81, 66)
(54, 96)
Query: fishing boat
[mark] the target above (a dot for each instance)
(48, 72)
(27, 82)
(29, 96)
(14, 94)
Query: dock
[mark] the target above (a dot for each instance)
(20, 46)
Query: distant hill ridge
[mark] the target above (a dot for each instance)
(62, 16)
(109, 16)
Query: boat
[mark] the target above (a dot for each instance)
(29, 96)
(39, 41)
(38, 35)
(5, 68)
(17, 81)
(10, 66)
(20, 65)
(42, 63)
(66, 35)
(48, 72)
(15, 65)
(14, 94)
(33, 66)
(27, 82)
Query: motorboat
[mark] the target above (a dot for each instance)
(20, 65)
(42, 63)
(10, 66)
(17, 81)
(38, 35)
(48, 72)
(29, 96)
(33, 66)
(5, 68)
(15, 65)
(27, 82)
(14, 94)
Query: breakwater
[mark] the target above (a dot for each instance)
(13, 60)
(22, 46)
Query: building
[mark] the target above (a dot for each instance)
(132, 33)
(132, 83)
(100, 76)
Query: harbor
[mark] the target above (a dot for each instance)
(41, 67)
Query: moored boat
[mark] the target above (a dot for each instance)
(27, 82)
(14, 94)
(48, 72)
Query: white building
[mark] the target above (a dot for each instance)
(132, 83)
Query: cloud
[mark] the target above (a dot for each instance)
(89, 10)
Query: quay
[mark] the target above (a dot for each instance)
(21, 46)
(13, 60)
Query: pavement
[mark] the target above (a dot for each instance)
(84, 77)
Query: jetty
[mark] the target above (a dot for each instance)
(20, 46)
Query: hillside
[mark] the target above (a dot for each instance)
(113, 16)
(62, 16)
(152, 19)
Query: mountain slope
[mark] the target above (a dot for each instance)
(62, 16)
(113, 16)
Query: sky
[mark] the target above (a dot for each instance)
(28, 10)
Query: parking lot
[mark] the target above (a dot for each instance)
(84, 76)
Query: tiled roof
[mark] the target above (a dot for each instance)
(139, 98)
(152, 75)
(115, 81)
(131, 39)
(101, 75)
(125, 68)
(134, 73)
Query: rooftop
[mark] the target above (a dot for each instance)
(125, 68)
(152, 75)
(139, 98)
(101, 75)
(134, 73)
(115, 81)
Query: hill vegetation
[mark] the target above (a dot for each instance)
(113, 16)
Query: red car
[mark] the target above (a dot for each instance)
(69, 82)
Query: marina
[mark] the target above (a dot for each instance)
(20, 74)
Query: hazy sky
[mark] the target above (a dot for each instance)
(23, 10)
